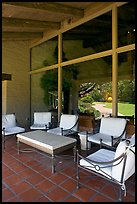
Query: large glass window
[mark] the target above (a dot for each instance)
(91, 79)
(126, 24)
(44, 54)
(44, 88)
(89, 38)
(126, 83)
(91, 85)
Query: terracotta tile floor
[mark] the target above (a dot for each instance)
(27, 178)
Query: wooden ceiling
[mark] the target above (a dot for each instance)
(30, 20)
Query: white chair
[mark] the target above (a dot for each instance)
(68, 125)
(10, 126)
(42, 121)
(111, 131)
(115, 166)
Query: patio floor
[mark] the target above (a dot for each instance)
(27, 178)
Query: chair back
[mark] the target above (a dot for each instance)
(128, 165)
(42, 117)
(8, 120)
(113, 126)
(67, 121)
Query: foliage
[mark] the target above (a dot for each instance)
(49, 80)
(126, 91)
(87, 99)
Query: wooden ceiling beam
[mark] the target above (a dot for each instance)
(48, 6)
(21, 35)
(16, 22)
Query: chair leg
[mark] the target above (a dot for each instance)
(120, 195)
(78, 177)
(4, 142)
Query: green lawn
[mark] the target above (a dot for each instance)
(123, 108)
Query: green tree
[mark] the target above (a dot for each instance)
(49, 81)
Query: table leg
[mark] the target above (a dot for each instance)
(74, 152)
(18, 148)
(53, 163)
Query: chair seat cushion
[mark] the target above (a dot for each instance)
(56, 131)
(95, 138)
(101, 155)
(13, 130)
(38, 126)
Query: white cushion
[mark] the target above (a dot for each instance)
(102, 155)
(8, 120)
(13, 130)
(42, 117)
(132, 139)
(115, 171)
(112, 126)
(106, 139)
(38, 126)
(56, 131)
(68, 121)
(130, 162)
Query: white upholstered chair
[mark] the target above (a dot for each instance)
(68, 125)
(10, 126)
(115, 166)
(42, 121)
(111, 131)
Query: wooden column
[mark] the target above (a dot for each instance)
(59, 75)
(114, 62)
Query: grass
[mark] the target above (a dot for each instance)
(123, 108)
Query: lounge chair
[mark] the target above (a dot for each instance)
(10, 126)
(111, 132)
(42, 121)
(115, 166)
(68, 125)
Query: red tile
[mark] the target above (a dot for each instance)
(21, 187)
(101, 198)
(14, 199)
(30, 195)
(3, 186)
(45, 185)
(6, 194)
(112, 190)
(32, 163)
(27, 173)
(69, 171)
(58, 178)
(12, 179)
(95, 183)
(39, 168)
(43, 199)
(84, 194)
(46, 172)
(72, 199)
(35, 179)
(57, 194)
(7, 173)
(69, 185)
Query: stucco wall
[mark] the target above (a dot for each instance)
(15, 61)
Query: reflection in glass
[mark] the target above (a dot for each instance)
(126, 24)
(44, 54)
(89, 38)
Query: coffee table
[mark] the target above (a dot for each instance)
(49, 143)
